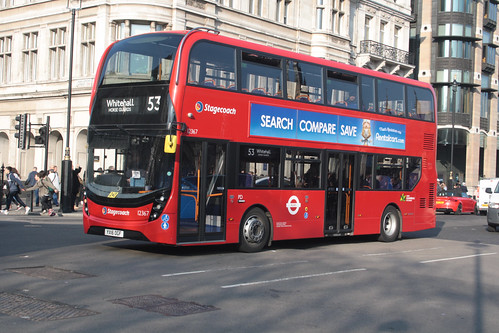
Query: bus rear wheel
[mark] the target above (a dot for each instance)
(390, 225)
(255, 231)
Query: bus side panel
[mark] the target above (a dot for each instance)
(369, 206)
(295, 214)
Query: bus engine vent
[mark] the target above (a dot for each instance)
(428, 141)
(422, 203)
(431, 199)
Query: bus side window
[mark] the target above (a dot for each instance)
(391, 98)
(366, 167)
(304, 82)
(212, 65)
(342, 89)
(420, 103)
(261, 74)
(413, 172)
(259, 167)
(367, 101)
(302, 169)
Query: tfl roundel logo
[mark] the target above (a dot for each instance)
(104, 210)
(199, 106)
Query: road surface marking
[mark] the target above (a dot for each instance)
(457, 258)
(292, 278)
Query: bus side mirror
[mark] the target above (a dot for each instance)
(170, 144)
(488, 190)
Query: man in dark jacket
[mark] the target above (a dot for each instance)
(15, 186)
(32, 181)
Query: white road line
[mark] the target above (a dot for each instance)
(292, 278)
(457, 258)
(398, 252)
(234, 268)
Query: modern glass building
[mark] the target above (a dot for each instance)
(454, 44)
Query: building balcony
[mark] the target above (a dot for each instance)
(484, 124)
(460, 119)
(385, 58)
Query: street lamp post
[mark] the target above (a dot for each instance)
(454, 90)
(67, 168)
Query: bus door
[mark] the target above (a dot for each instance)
(202, 191)
(339, 193)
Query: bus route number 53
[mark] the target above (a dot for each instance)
(153, 103)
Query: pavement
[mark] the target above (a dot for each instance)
(75, 217)
(36, 211)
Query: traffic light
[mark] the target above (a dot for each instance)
(42, 138)
(21, 127)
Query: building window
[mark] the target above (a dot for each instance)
(455, 29)
(462, 6)
(484, 105)
(139, 28)
(338, 15)
(367, 28)
(30, 56)
(382, 27)
(396, 37)
(88, 48)
(128, 28)
(454, 49)
(57, 52)
(464, 99)
(489, 55)
(319, 17)
(5, 59)
(490, 11)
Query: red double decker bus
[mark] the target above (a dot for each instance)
(196, 138)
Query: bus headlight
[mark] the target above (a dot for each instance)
(158, 206)
(85, 202)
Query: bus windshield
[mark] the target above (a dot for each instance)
(141, 59)
(132, 164)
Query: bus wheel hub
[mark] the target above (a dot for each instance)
(253, 230)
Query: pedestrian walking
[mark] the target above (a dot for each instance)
(14, 185)
(54, 178)
(46, 189)
(32, 181)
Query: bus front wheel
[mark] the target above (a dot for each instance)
(390, 224)
(255, 231)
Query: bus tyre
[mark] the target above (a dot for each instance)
(255, 231)
(390, 225)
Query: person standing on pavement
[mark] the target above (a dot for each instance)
(32, 181)
(54, 178)
(15, 186)
(45, 186)
(76, 188)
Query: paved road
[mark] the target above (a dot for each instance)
(61, 280)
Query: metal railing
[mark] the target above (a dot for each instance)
(384, 51)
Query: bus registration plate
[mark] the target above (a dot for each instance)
(114, 233)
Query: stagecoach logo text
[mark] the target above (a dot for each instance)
(113, 212)
(120, 105)
(200, 107)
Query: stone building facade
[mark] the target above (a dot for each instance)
(35, 40)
